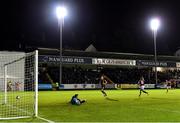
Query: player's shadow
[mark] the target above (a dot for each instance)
(110, 99)
(155, 98)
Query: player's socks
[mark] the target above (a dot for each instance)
(145, 92)
(104, 93)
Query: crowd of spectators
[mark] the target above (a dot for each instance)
(83, 75)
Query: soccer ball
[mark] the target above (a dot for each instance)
(17, 97)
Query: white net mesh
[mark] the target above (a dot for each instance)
(17, 84)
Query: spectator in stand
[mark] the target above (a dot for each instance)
(9, 85)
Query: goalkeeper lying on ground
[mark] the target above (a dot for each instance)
(76, 101)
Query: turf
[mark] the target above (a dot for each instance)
(119, 106)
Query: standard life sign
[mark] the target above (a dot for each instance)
(103, 61)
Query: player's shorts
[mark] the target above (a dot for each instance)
(142, 87)
(102, 87)
(168, 87)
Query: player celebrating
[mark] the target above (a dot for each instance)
(104, 81)
(141, 86)
(168, 85)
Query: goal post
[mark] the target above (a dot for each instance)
(5, 84)
(36, 84)
(18, 85)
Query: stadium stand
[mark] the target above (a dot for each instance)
(89, 74)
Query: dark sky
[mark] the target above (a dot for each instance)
(111, 25)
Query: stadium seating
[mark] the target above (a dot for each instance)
(79, 75)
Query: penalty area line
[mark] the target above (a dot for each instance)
(49, 121)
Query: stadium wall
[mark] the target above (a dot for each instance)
(94, 86)
(133, 86)
(75, 86)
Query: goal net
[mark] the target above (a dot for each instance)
(18, 85)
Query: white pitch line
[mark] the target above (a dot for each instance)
(49, 121)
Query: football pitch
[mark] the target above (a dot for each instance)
(118, 106)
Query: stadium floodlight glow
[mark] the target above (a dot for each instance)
(61, 12)
(155, 23)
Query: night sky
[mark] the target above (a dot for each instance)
(110, 25)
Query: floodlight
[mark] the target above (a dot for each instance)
(155, 23)
(61, 12)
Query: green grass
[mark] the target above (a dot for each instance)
(16, 107)
(120, 106)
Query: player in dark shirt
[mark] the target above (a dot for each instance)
(168, 85)
(104, 81)
(141, 86)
